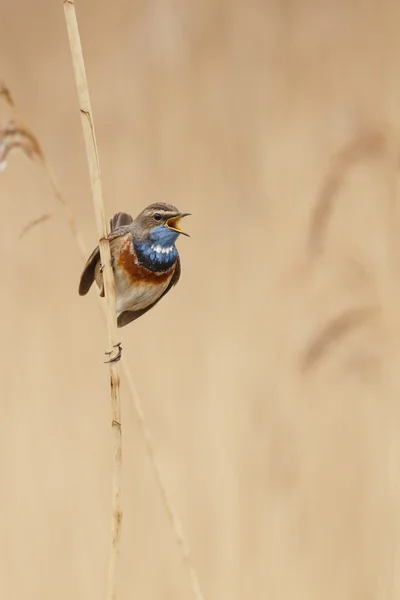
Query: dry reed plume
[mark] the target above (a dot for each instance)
(370, 143)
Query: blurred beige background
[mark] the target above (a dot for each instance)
(270, 375)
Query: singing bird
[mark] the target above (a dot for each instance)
(145, 260)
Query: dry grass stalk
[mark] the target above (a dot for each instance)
(33, 224)
(108, 277)
(171, 512)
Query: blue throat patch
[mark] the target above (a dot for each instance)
(158, 252)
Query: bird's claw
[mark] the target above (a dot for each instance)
(117, 357)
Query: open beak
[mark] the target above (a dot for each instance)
(173, 223)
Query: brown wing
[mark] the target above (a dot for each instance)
(88, 274)
(131, 315)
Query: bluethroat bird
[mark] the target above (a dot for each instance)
(144, 257)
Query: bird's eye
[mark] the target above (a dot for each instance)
(157, 217)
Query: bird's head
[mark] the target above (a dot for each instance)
(160, 223)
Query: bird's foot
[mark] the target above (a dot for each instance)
(117, 357)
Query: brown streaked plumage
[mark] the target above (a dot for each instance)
(139, 286)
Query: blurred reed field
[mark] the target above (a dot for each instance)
(269, 375)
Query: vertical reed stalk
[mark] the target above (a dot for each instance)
(95, 179)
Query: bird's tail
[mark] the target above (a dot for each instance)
(119, 220)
